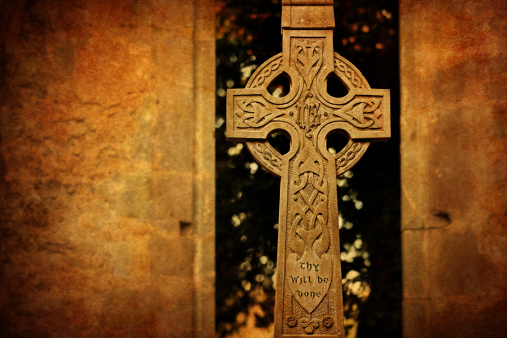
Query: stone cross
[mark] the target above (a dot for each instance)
(308, 277)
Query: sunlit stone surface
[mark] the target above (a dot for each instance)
(453, 168)
(107, 168)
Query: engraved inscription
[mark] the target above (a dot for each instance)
(308, 113)
(310, 265)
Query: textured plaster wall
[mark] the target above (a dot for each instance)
(454, 167)
(107, 168)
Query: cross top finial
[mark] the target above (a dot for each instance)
(297, 14)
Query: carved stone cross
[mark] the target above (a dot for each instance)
(308, 277)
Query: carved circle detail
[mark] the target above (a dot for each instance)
(291, 321)
(262, 151)
(352, 78)
(266, 155)
(327, 321)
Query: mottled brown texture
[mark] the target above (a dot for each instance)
(107, 168)
(454, 167)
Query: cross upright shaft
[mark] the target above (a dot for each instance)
(309, 296)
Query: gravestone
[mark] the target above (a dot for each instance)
(309, 295)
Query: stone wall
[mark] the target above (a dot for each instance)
(454, 167)
(107, 168)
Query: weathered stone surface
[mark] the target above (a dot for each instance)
(107, 168)
(454, 168)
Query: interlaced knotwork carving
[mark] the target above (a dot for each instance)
(350, 73)
(266, 72)
(255, 115)
(309, 231)
(269, 155)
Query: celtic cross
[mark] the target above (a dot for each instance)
(308, 292)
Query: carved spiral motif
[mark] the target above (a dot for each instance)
(291, 321)
(327, 321)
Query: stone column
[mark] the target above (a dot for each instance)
(454, 168)
(107, 168)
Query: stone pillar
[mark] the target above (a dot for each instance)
(454, 167)
(107, 168)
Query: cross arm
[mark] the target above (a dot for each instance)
(363, 113)
(252, 113)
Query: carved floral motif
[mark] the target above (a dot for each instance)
(310, 324)
(327, 321)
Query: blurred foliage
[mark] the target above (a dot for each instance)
(248, 33)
